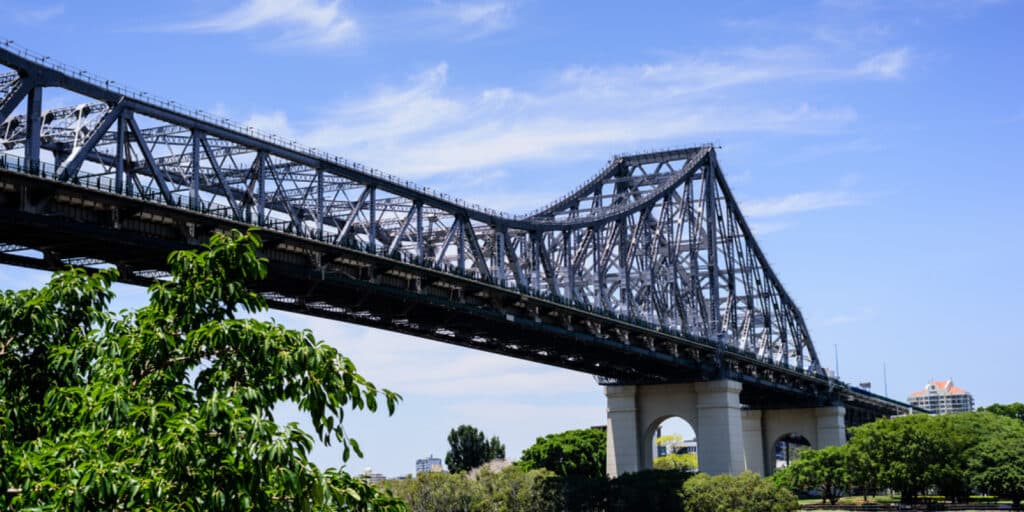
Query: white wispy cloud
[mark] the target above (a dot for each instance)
(476, 19)
(849, 318)
(765, 228)
(885, 65)
(305, 22)
(422, 128)
(39, 14)
(425, 368)
(798, 203)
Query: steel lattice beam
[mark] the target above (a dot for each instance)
(656, 239)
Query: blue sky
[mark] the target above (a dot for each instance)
(876, 147)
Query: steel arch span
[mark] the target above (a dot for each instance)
(650, 260)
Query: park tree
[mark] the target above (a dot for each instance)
(919, 452)
(170, 406)
(517, 489)
(676, 462)
(746, 492)
(673, 460)
(647, 490)
(512, 489)
(470, 449)
(1014, 410)
(429, 492)
(901, 449)
(573, 453)
(862, 472)
(826, 470)
(996, 466)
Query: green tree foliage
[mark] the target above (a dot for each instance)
(430, 492)
(825, 469)
(862, 471)
(647, 490)
(671, 460)
(744, 493)
(170, 407)
(512, 489)
(902, 450)
(912, 454)
(676, 462)
(470, 449)
(573, 453)
(517, 489)
(1014, 410)
(920, 452)
(996, 466)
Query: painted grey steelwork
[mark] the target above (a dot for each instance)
(655, 238)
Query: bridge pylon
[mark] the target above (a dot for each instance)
(731, 437)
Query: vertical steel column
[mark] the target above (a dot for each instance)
(650, 239)
(373, 220)
(534, 261)
(626, 286)
(320, 204)
(711, 215)
(599, 290)
(193, 195)
(461, 240)
(499, 240)
(571, 276)
(33, 126)
(119, 157)
(261, 184)
(419, 232)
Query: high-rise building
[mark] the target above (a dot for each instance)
(429, 465)
(942, 397)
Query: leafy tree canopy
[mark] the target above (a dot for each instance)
(676, 461)
(170, 407)
(1014, 410)
(996, 466)
(746, 492)
(470, 449)
(512, 489)
(826, 469)
(575, 453)
(916, 453)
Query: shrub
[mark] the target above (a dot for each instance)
(744, 493)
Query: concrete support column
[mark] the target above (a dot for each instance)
(623, 432)
(753, 441)
(719, 427)
(831, 426)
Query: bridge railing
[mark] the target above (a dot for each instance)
(120, 89)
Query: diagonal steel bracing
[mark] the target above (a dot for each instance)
(656, 239)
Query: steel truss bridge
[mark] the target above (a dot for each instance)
(646, 273)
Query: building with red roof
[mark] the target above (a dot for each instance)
(942, 397)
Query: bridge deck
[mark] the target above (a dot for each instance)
(68, 223)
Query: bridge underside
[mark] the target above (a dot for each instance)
(50, 224)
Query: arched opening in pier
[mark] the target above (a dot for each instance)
(786, 450)
(673, 445)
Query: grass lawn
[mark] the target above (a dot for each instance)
(854, 501)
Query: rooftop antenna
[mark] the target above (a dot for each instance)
(835, 348)
(885, 380)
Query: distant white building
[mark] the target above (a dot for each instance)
(942, 397)
(430, 464)
(372, 478)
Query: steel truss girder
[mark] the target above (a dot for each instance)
(656, 238)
